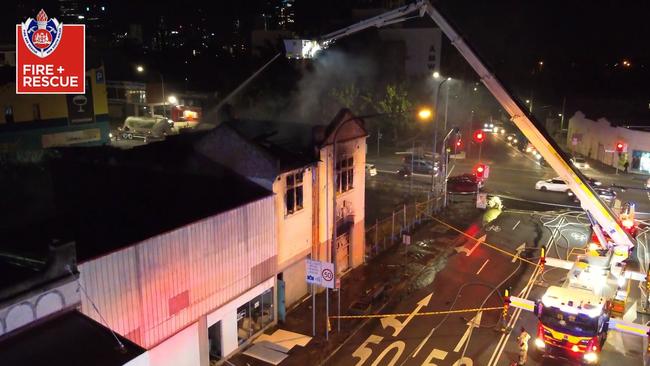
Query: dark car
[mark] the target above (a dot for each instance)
(594, 182)
(403, 173)
(464, 184)
(606, 194)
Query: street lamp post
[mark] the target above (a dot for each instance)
(454, 130)
(435, 128)
(140, 69)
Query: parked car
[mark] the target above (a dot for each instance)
(554, 184)
(579, 162)
(403, 173)
(421, 166)
(464, 184)
(606, 194)
(371, 170)
(594, 182)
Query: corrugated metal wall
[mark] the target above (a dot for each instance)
(214, 260)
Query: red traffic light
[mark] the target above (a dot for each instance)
(459, 144)
(479, 136)
(619, 147)
(479, 170)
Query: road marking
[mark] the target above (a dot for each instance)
(478, 242)
(518, 252)
(496, 355)
(517, 224)
(424, 341)
(398, 325)
(480, 269)
(474, 323)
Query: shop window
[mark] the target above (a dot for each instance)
(345, 174)
(254, 315)
(214, 341)
(294, 192)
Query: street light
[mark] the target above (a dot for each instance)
(140, 69)
(425, 113)
(172, 100)
(435, 127)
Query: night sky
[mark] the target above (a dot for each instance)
(582, 43)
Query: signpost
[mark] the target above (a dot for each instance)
(320, 273)
(481, 200)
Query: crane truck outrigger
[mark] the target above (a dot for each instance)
(573, 317)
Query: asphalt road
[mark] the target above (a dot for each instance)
(465, 283)
(513, 175)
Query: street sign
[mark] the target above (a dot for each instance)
(320, 273)
(481, 200)
(327, 274)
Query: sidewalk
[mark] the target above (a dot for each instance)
(395, 270)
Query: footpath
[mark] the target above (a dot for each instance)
(381, 282)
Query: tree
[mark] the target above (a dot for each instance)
(351, 97)
(395, 103)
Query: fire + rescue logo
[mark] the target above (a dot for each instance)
(42, 35)
(50, 56)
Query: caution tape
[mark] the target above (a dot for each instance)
(415, 314)
(484, 243)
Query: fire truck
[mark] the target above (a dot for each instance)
(573, 318)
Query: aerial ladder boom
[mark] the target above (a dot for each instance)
(531, 129)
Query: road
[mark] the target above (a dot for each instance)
(465, 283)
(513, 174)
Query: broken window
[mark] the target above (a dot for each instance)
(345, 174)
(293, 196)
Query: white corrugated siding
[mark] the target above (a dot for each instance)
(212, 259)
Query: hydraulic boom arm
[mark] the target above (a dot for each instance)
(533, 131)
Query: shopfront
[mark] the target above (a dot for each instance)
(236, 323)
(640, 161)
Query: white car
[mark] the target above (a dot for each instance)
(555, 185)
(579, 163)
(371, 169)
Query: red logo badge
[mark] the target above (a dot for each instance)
(50, 57)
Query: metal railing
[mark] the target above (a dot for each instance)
(385, 233)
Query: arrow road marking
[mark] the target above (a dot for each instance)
(478, 242)
(391, 321)
(474, 323)
(518, 252)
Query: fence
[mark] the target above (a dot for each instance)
(386, 232)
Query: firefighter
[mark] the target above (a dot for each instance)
(522, 342)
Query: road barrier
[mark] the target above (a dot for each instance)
(428, 313)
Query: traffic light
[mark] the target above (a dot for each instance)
(458, 145)
(479, 136)
(479, 170)
(619, 147)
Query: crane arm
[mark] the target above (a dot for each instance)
(537, 135)
(533, 131)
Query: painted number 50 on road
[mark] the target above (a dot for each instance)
(363, 353)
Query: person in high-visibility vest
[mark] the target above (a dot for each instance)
(522, 342)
